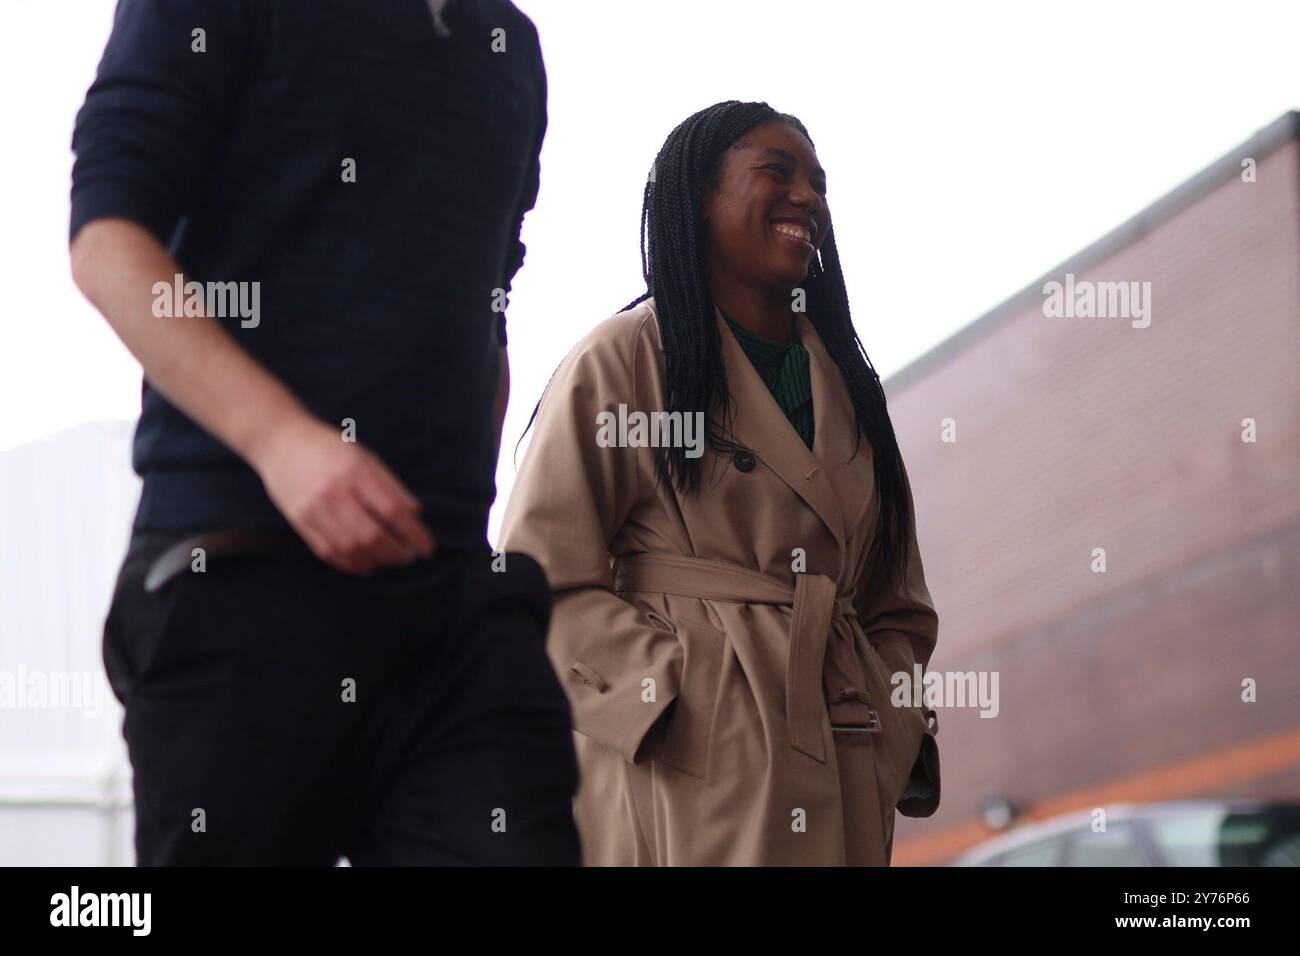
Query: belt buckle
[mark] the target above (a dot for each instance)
(871, 727)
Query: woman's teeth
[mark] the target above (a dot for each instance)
(795, 232)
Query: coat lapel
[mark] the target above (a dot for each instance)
(852, 476)
(762, 427)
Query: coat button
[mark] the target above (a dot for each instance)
(744, 461)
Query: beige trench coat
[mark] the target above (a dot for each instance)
(779, 744)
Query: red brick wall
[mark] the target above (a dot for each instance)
(1079, 433)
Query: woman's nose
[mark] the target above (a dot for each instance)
(805, 197)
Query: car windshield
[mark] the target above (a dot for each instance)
(1214, 836)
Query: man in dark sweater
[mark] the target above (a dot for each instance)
(303, 219)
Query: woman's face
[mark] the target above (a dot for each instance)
(766, 216)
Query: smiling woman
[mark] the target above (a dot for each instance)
(726, 624)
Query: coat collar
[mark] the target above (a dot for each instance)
(831, 483)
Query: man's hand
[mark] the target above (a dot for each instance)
(348, 507)
(342, 500)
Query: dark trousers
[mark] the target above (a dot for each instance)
(281, 712)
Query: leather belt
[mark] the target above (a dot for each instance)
(227, 543)
(817, 608)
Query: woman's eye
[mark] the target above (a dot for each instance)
(785, 172)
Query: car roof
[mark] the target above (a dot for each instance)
(1033, 831)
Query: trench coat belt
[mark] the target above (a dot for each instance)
(816, 602)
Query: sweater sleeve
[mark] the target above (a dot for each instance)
(164, 86)
(528, 197)
(570, 500)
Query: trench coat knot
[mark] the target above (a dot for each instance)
(817, 609)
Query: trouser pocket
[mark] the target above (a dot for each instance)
(138, 621)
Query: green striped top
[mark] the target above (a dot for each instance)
(784, 370)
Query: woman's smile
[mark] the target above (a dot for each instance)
(798, 231)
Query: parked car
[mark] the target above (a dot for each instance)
(1175, 833)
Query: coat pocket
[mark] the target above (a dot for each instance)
(689, 730)
(921, 798)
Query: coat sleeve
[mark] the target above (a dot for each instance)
(899, 619)
(570, 499)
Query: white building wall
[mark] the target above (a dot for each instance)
(65, 511)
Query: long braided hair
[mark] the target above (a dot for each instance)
(673, 265)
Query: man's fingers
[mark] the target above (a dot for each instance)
(397, 509)
(396, 483)
(359, 517)
(328, 542)
(369, 542)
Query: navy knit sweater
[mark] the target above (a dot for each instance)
(370, 171)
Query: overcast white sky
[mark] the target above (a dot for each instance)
(970, 147)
